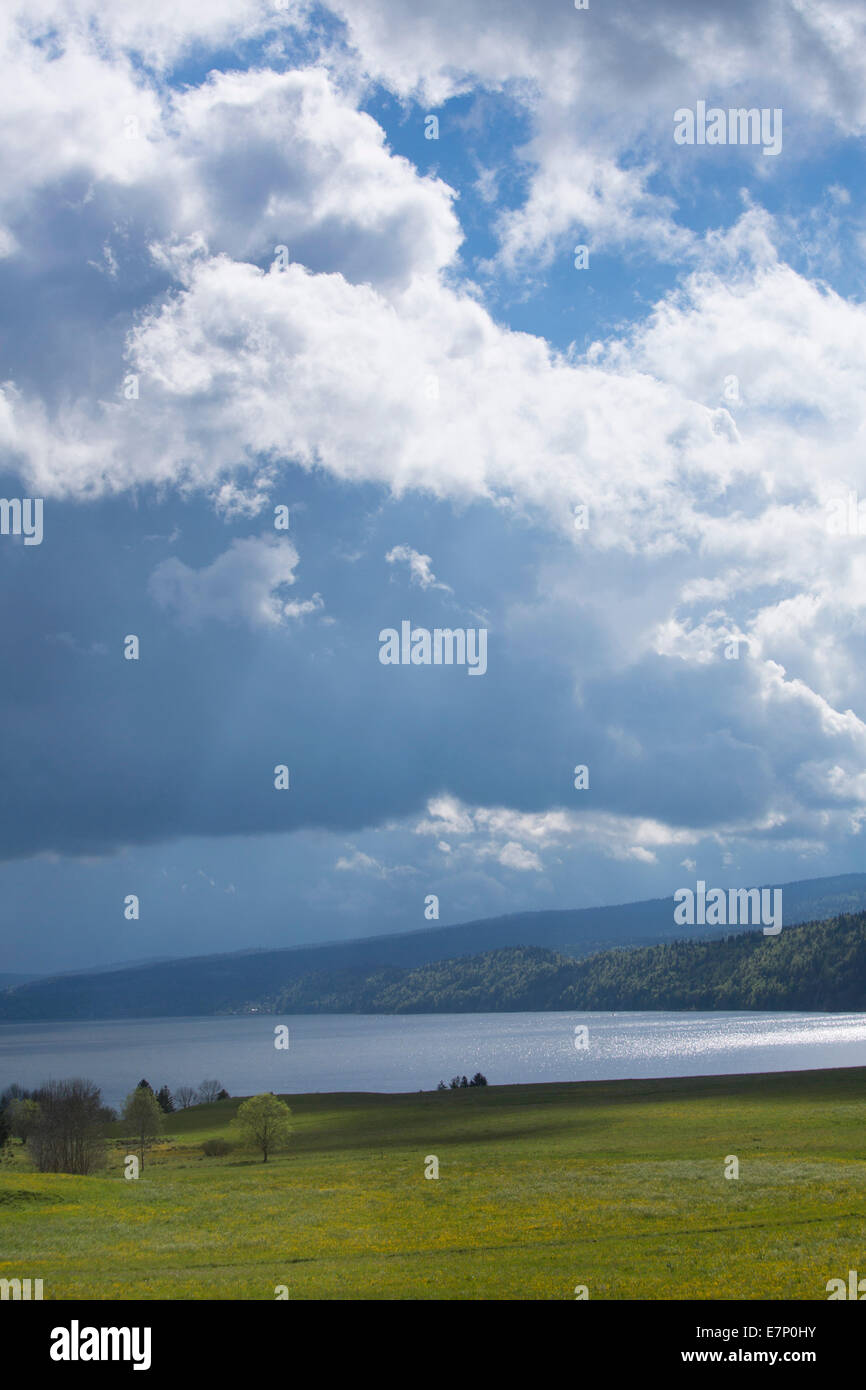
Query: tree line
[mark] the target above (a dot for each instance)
(63, 1125)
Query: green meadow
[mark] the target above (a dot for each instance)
(618, 1186)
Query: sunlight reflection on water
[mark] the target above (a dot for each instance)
(343, 1052)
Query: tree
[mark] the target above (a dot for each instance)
(464, 1082)
(144, 1117)
(209, 1091)
(144, 1085)
(165, 1100)
(13, 1092)
(22, 1116)
(265, 1121)
(455, 1083)
(5, 1137)
(68, 1134)
(441, 1086)
(186, 1096)
(223, 1095)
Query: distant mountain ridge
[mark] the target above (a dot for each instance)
(14, 978)
(816, 966)
(227, 983)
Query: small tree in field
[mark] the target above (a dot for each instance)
(265, 1121)
(209, 1091)
(185, 1096)
(144, 1117)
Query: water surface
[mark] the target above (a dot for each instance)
(353, 1052)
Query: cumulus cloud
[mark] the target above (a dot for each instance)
(599, 91)
(238, 367)
(706, 441)
(515, 856)
(329, 189)
(242, 584)
(359, 862)
(420, 566)
(519, 840)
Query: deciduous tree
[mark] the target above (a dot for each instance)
(144, 1118)
(265, 1121)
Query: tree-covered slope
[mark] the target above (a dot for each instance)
(337, 971)
(819, 966)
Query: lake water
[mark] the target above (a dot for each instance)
(351, 1052)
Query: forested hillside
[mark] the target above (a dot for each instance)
(359, 975)
(819, 966)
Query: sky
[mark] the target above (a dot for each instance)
(298, 345)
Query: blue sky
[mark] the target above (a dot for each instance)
(431, 387)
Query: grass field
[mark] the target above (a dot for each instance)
(618, 1186)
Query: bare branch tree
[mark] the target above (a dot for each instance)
(67, 1136)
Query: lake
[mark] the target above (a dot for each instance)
(353, 1052)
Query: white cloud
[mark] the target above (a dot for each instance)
(245, 372)
(514, 856)
(242, 584)
(246, 161)
(359, 862)
(600, 88)
(238, 367)
(269, 159)
(420, 567)
(518, 839)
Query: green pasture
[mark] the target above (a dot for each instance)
(618, 1186)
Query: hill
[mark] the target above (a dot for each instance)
(229, 983)
(818, 966)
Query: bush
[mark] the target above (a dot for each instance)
(216, 1148)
